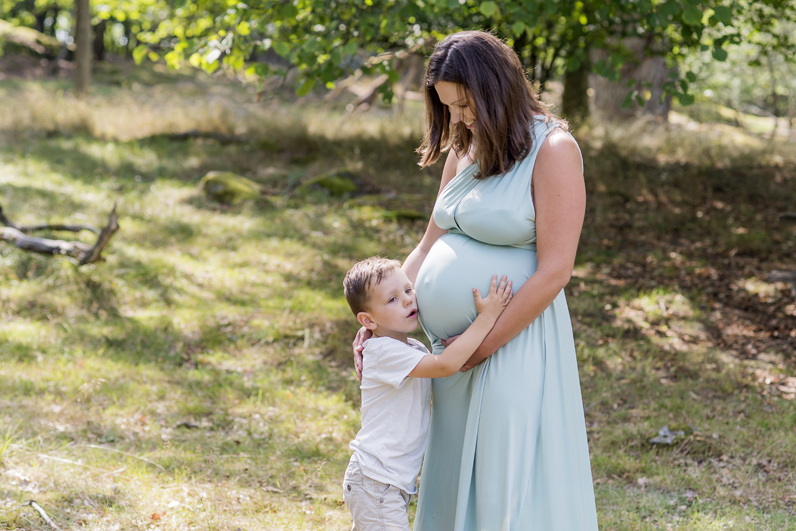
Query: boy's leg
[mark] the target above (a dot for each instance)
(374, 505)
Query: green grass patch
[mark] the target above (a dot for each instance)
(201, 377)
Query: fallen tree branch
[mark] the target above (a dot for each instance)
(34, 228)
(788, 217)
(784, 276)
(43, 514)
(84, 253)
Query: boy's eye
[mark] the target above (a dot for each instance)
(409, 290)
(391, 299)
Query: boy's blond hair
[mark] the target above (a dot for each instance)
(359, 279)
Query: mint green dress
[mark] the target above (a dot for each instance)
(507, 446)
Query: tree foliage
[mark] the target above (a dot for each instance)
(327, 40)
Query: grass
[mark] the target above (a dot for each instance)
(200, 378)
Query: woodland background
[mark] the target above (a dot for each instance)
(199, 376)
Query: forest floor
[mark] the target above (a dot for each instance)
(201, 377)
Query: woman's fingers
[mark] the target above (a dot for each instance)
(447, 342)
(358, 345)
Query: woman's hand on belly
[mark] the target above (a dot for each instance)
(359, 345)
(447, 342)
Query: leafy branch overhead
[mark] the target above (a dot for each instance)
(329, 40)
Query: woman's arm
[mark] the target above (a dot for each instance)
(559, 195)
(415, 259)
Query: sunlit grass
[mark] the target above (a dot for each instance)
(200, 378)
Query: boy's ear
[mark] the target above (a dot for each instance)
(365, 320)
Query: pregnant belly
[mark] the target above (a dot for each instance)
(454, 266)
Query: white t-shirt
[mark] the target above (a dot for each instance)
(395, 413)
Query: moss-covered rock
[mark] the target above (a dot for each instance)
(399, 207)
(337, 183)
(28, 38)
(229, 188)
(405, 214)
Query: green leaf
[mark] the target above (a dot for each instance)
(139, 53)
(350, 48)
(243, 28)
(723, 14)
(719, 54)
(195, 60)
(685, 99)
(669, 8)
(605, 70)
(690, 76)
(173, 59)
(282, 48)
(262, 69)
(629, 99)
(518, 28)
(289, 11)
(236, 60)
(692, 16)
(153, 57)
(655, 20)
(488, 8)
(306, 87)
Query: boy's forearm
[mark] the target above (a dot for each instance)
(454, 356)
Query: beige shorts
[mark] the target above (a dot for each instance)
(375, 506)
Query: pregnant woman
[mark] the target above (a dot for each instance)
(507, 447)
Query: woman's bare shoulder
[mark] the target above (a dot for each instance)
(559, 143)
(558, 152)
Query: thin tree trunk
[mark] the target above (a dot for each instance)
(99, 40)
(84, 47)
(575, 100)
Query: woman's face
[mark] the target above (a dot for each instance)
(453, 95)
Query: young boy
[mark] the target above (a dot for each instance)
(396, 390)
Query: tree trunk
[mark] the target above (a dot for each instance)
(84, 47)
(575, 100)
(99, 40)
(646, 70)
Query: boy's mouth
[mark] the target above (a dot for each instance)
(412, 314)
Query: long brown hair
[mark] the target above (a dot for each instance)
(495, 85)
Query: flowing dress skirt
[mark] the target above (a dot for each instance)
(507, 449)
